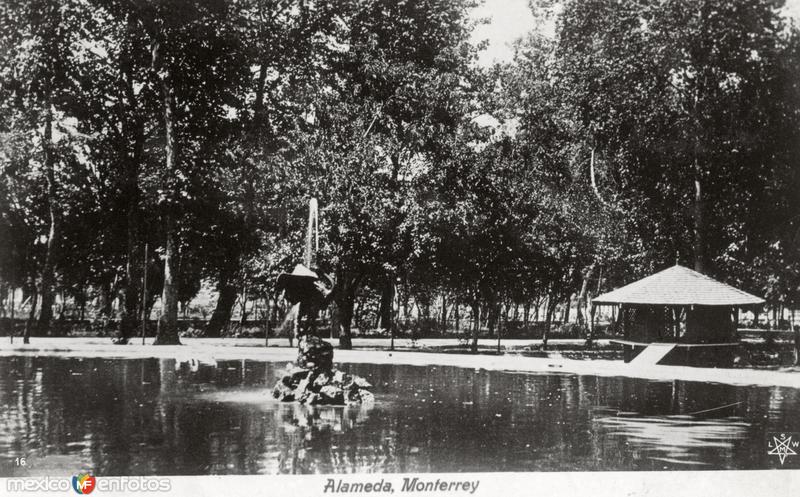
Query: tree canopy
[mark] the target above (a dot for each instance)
(637, 136)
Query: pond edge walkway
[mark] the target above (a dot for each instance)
(213, 350)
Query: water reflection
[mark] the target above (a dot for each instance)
(676, 439)
(168, 417)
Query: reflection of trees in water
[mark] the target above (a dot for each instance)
(216, 437)
(139, 417)
(548, 422)
(328, 439)
(57, 407)
(449, 419)
(684, 425)
(226, 436)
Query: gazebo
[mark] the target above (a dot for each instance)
(679, 317)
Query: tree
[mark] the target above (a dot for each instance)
(684, 101)
(197, 66)
(395, 83)
(39, 80)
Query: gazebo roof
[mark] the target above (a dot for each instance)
(678, 286)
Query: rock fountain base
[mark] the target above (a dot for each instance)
(313, 380)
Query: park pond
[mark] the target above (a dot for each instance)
(163, 417)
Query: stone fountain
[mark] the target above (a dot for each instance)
(312, 379)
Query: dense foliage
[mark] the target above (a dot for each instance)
(639, 135)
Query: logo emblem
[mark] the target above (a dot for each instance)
(84, 483)
(782, 445)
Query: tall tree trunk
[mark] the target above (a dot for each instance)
(405, 302)
(387, 297)
(62, 306)
(490, 314)
(3, 298)
(526, 314)
(149, 304)
(47, 281)
(243, 312)
(155, 285)
(590, 335)
(588, 274)
(502, 325)
(552, 301)
(29, 325)
(261, 118)
(105, 304)
(699, 220)
(796, 345)
(13, 320)
(443, 319)
(221, 316)
(129, 295)
(476, 311)
(168, 323)
(275, 310)
(82, 303)
(345, 300)
(345, 310)
(457, 315)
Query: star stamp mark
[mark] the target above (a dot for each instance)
(783, 445)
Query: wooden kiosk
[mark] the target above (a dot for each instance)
(678, 317)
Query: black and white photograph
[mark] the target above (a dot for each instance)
(421, 247)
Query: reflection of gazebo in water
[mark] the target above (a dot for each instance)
(678, 316)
